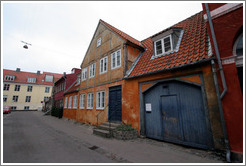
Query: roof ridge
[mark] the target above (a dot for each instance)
(172, 25)
(113, 29)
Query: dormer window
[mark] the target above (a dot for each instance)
(9, 78)
(99, 42)
(49, 78)
(166, 42)
(31, 80)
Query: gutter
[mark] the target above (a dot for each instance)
(219, 96)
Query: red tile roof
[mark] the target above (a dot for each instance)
(193, 48)
(21, 77)
(122, 34)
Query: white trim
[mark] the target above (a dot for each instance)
(84, 74)
(93, 65)
(90, 101)
(65, 105)
(82, 100)
(115, 54)
(75, 101)
(99, 100)
(103, 61)
(223, 10)
(70, 101)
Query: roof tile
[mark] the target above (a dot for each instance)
(193, 48)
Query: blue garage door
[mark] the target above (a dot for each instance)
(174, 112)
(115, 106)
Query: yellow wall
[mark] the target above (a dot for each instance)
(37, 95)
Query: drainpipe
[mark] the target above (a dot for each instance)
(217, 52)
(219, 96)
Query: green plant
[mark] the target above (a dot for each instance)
(124, 127)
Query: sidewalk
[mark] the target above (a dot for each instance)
(140, 150)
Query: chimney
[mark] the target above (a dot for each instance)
(18, 69)
(64, 74)
(38, 72)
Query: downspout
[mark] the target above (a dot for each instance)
(217, 52)
(219, 96)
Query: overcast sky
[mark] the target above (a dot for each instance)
(60, 32)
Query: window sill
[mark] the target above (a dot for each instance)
(100, 109)
(115, 67)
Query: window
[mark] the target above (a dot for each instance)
(9, 78)
(78, 81)
(75, 101)
(6, 87)
(163, 45)
(92, 70)
(70, 102)
(47, 89)
(5, 98)
(15, 98)
(84, 74)
(46, 98)
(28, 99)
(65, 106)
(49, 78)
(82, 101)
(26, 108)
(29, 89)
(103, 65)
(32, 80)
(115, 59)
(17, 87)
(90, 101)
(99, 42)
(13, 108)
(100, 99)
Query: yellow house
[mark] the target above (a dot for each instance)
(26, 90)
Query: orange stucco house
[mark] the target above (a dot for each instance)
(163, 86)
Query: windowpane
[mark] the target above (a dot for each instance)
(158, 47)
(167, 44)
(118, 58)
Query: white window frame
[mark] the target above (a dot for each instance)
(65, 106)
(104, 65)
(163, 45)
(100, 104)
(70, 101)
(49, 78)
(29, 88)
(31, 80)
(75, 101)
(28, 99)
(47, 90)
(90, 100)
(99, 42)
(5, 98)
(82, 101)
(9, 78)
(6, 87)
(92, 70)
(17, 87)
(84, 74)
(15, 98)
(115, 58)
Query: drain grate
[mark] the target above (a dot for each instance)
(93, 148)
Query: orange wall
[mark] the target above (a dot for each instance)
(131, 100)
(69, 113)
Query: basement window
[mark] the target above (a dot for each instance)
(166, 42)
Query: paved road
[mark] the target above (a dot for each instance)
(27, 139)
(30, 137)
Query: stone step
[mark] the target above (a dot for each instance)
(102, 133)
(106, 127)
(113, 124)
